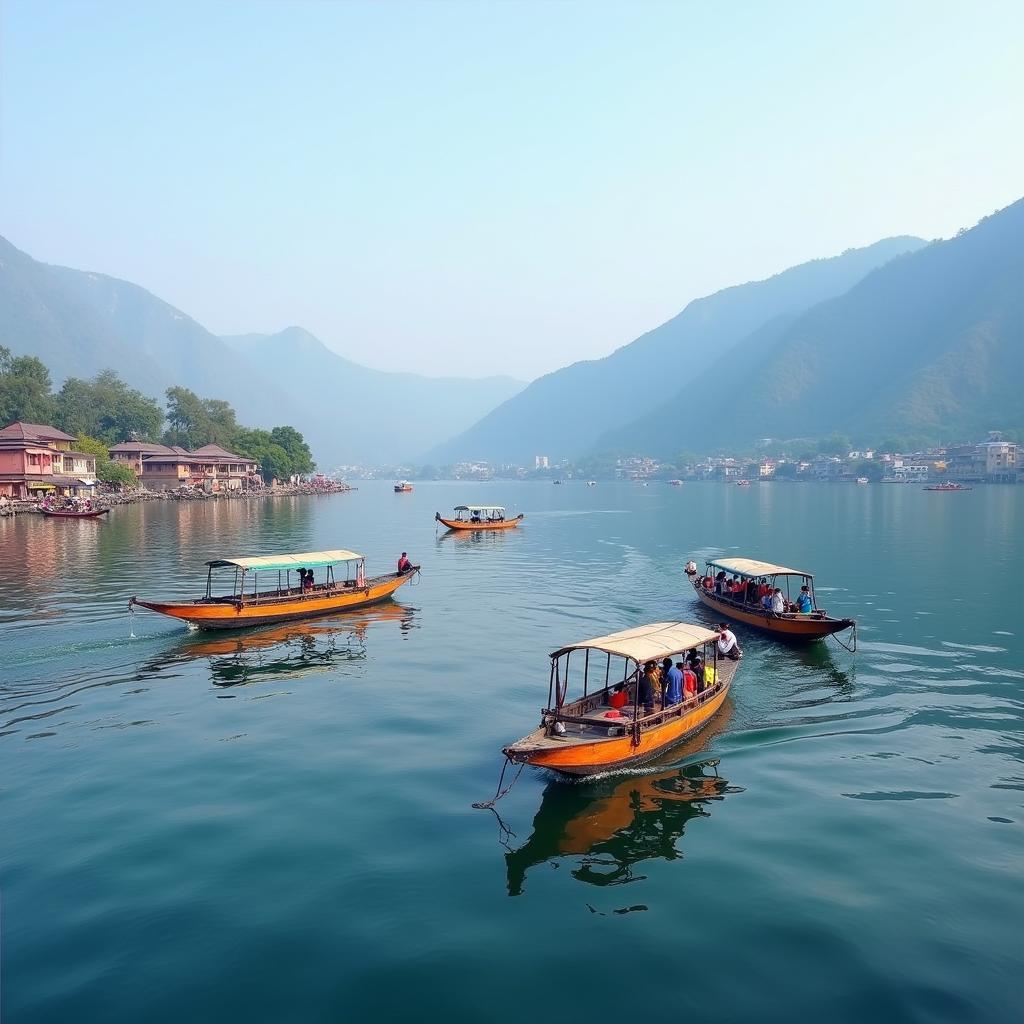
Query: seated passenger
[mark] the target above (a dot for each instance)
(404, 565)
(727, 644)
(302, 579)
(766, 601)
(619, 697)
(804, 604)
(307, 582)
(778, 602)
(710, 676)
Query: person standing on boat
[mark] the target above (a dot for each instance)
(673, 684)
(648, 687)
(691, 686)
(727, 644)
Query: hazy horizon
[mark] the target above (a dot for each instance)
(474, 190)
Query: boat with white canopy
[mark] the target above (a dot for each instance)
(479, 517)
(741, 597)
(597, 731)
(277, 588)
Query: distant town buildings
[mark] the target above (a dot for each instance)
(541, 462)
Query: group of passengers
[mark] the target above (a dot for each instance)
(759, 592)
(668, 684)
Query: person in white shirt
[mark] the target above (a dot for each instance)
(727, 645)
(778, 602)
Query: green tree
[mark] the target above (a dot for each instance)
(25, 389)
(259, 445)
(874, 471)
(106, 408)
(786, 471)
(834, 444)
(109, 472)
(294, 444)
(187, 422)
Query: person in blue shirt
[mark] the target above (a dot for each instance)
(673, 686)
(804, 604)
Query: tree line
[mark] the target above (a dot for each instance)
(103, 410)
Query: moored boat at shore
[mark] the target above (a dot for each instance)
(758, 578)
(246, 605)
(479, 517)
(949, 485)
(588, 735)
(72, 513)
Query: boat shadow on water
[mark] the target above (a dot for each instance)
(290, 650)
(610, 825)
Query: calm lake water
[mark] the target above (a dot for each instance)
(277, 826)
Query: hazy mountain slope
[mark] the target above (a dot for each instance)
(563, 413)
(931, 344)
(79, 323)
(184, 352)
(39, 316)
(385, 416)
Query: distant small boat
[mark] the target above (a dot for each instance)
(742, 483)
(558, 481)
(675, 483)
(403, 487)
(591, 483)
(862, 479)
(93, 513)
(948, 486)
(479, 517)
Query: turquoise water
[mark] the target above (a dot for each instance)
(277, 826)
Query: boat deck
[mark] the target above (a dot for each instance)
(586, 720)
(317, 592)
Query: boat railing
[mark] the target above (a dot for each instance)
(659, 717)
(319, 591)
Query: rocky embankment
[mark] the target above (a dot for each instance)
(187, 494)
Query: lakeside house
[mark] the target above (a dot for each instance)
(161, 467)
(37, 460)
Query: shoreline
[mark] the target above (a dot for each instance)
(22, 506)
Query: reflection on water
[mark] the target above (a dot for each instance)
(613, 825)
(286, 651)
(613, 822)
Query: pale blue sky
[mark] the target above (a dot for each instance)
(474, 188)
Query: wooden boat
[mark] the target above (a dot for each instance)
(948, 486)
(675, 483)
(862, 479)
(742, 483)
(789, 625)
(479, 517)
(246, 605)
(403, 487)
(586, 736)
(92, 513)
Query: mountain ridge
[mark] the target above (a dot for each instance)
(563, 413)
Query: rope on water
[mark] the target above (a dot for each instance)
(852, 646)
(499, 792)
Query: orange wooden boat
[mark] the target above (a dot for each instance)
(789, 624)
(479, 517)
(586, 736)
(56, 513)
(246, 605)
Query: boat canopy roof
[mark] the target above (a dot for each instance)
(752, 567)
(305, 560)
(646, 643)
(479, 508)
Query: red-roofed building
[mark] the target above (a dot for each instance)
(161, 467)
(36, 460)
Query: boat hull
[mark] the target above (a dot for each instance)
(53, 514)
(456, 524)
(243, 614)
(797, 628)
(605, 755)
